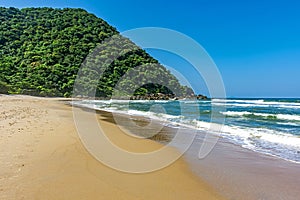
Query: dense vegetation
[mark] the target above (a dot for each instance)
(41, 50)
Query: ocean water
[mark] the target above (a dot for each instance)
(269, 126)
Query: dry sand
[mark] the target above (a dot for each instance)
(42, 157)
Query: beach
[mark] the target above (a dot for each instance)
(97, 104)
(42, 157)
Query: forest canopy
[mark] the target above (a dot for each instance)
(42, 49)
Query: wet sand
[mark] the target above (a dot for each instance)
(239, 173)
(42, 157)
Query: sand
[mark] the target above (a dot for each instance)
(42, 157)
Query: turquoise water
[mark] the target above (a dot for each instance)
(270, 126)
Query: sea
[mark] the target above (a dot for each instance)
(269, 126)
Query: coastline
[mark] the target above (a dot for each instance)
(43, 158)
(240, 173)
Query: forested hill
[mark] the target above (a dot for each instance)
(41, 50)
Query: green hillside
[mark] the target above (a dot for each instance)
(41, 50)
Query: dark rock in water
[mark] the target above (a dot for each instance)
(201, 97)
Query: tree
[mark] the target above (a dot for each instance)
(41, 50)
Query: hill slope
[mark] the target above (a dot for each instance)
(41, 50)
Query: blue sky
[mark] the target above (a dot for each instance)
(255, 44)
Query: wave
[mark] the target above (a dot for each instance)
(271, 136)
(264, 140)
(275, 143)
(265, 115)
(238, 105)
(238, 100)
(194, 101)
(289, 124)
(233, 130)
(255, 103)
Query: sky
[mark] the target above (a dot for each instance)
(255, 44)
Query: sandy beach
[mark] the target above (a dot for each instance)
(42, 157)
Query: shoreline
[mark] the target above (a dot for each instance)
(43, 158)
(172, 124)
(242, 173)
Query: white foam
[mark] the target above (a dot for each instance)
(259, 139)
(256, 103)
(288, 117)
(238, 105)
(264, 134)
(288, 123)
(238, 101)
(235, 113)
(278, 116)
